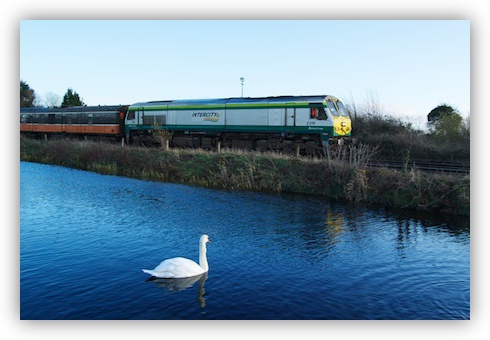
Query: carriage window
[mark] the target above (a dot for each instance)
(130, 115)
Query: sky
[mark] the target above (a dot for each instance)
(407, 67)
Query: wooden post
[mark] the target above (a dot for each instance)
(219, 146)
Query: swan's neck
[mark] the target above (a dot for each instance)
(203, 261)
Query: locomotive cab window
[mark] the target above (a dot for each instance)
(318, 113)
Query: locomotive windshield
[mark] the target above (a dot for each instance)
(337, 108)
(342, 109)
(333, 109)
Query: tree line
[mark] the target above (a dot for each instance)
(28, 98)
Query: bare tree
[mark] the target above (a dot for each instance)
(372, 105)
(52, 99)
(38, 102)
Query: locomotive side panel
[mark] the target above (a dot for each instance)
(196, 118)
(236, 118)
(302, 119)
(277, 116)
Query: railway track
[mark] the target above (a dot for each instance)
(427, 166)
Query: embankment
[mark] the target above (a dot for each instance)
(265, 172)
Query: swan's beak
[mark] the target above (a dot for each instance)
(209, 241)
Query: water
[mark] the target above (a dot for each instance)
(84, 239)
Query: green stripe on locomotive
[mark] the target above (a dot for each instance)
(323, 130)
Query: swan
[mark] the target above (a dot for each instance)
(180, 267)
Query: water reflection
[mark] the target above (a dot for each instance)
(323, 234)
(454, 225)
(324, 231)
(403, 238)
(334, 225)
(177, 285)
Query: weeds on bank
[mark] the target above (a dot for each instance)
(345, 177)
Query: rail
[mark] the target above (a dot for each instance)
(428, 166)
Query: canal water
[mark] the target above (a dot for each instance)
(85, 237)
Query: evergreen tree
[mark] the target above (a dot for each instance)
(445, 123)
(71, 98)
(438, 112)
(27, 95)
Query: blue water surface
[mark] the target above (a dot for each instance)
(85, 237)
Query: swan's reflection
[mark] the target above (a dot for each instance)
(177, 285)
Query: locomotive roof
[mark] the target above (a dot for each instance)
(238, 100)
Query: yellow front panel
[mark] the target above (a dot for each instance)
(342, 126)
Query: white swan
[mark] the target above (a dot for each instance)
(179, 267)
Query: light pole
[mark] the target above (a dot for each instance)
(242, 80)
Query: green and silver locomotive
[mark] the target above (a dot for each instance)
(307, 124)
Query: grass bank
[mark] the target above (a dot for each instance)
(266, 172)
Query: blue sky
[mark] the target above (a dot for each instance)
(408, 67)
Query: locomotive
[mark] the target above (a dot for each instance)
(307, 124)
